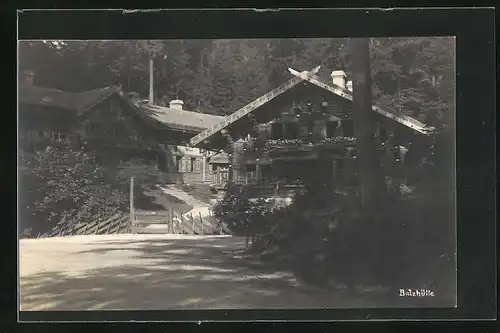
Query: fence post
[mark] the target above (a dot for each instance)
(132, 213)
(201, 222)
(192, 221)
(119, 226)
(212, 222)
(170, 220)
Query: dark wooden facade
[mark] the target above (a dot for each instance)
(111, 126)
(311, 136)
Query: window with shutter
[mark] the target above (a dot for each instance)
(304, 131)
(184, 165)
(178, 163)
(331, 128)
(348, 128)
(319, 129)
(33, 134)
(94, 127)
(277, 131)
(192, 162)
(116, 111)
(291, 131)
(198, 166)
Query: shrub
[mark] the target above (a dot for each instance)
(238, 212)
(323, 242)
(60, 183)
(146, 176)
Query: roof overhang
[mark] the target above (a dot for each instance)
(231, 123)
(346, 94)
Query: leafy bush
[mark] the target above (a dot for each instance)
(146, 176)
(323, 241)
(240, 214)
(60, 183)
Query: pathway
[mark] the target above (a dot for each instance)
(199, 207)
(146, 272)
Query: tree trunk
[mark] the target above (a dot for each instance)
(373, 193)
(396, 161)
(230, 154)
(151, 83)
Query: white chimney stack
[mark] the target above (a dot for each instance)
(339, 78)
(176, 104)
(349, 86)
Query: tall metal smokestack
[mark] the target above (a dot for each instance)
(151, 95)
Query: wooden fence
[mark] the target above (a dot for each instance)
(139, 221)
(119, 223)
(171, 222)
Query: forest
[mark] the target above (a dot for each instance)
(411, 75)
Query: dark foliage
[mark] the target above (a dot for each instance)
(413, 75)
(61, 183)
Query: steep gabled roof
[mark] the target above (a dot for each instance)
(87, 99)
(181, 119)
(289, 86)
(35, 95)
(219, 158)
(80, 102)
(403, 119)
(247, 109)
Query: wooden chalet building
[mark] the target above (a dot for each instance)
(192, 164)
(101, 118)
(116, 124)
(304, 125)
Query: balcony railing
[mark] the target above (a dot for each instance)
(289, 143)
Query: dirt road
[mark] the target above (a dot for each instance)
(158, 272)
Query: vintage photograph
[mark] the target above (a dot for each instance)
(236, 174)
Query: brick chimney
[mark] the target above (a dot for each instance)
(176, 104)
(339, 78)
(27, 77)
